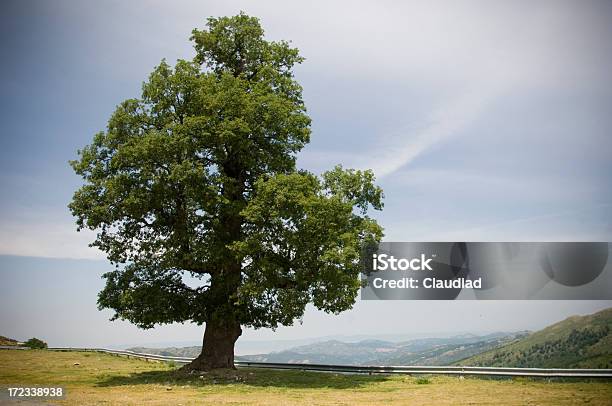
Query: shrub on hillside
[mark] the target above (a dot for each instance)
(36, 344)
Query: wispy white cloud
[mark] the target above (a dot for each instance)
(445, 122)
(46, 239)
(452, 117)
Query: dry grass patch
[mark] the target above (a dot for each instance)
(105, 379)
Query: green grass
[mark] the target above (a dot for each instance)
(105, 379)
(423, 380)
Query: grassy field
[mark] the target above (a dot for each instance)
(93, 378)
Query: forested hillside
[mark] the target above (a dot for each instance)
(576, 342)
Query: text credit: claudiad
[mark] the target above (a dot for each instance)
(385, 262)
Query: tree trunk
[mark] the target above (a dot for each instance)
(223, 330)
(217, 348)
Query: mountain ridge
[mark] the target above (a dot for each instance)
(575, 342)
(427, 351)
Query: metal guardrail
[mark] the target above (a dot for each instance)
(436, 370)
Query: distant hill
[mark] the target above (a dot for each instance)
(5, 341)
(423, 351)
(576, 342)
(426, 351)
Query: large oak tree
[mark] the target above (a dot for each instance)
(195, 196)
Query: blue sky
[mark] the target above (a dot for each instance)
(483, 120)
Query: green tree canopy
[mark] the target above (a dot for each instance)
(35, 344)
(196, 180)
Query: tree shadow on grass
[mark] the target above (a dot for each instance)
(247, 377)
